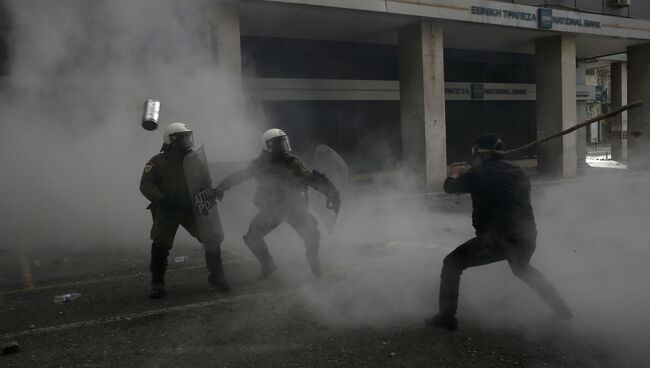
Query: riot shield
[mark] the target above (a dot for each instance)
(199, 184)
(328, 162)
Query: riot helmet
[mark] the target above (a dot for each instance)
(276, 141)
(179, 137)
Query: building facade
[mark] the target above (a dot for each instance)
(402, 86)
(406, 85)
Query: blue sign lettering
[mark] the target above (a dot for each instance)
(544, 17)
(457, 91)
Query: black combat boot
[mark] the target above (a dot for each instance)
(443, 320)
(215, 267)
(157, 291)
(314, 261)
(157, 267)
(261, 252)
(448, 299)
(267, 269)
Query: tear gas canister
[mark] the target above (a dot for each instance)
(151, 114)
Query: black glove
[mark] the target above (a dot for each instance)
(218, 192)
(334, 201)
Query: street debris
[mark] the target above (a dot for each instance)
(181, 259)
(65, 298)
(10, 348)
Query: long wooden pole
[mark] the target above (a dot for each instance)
(576, 127)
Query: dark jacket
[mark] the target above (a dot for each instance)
(282, 180)
(163, 181)
(500, 193)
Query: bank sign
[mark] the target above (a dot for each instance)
(510, 15)
(462, 91)
(543, 17)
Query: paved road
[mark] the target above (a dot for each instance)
(288, 321)
(379, 284)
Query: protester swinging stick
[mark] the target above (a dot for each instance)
(459, 167)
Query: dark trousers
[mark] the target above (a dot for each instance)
(298, 217)
(166, 222)
(489, 248)
(165, 225)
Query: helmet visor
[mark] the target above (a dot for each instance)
(279, 145)
(183, 141)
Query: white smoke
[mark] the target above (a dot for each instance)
(72, 145)
(72, 151)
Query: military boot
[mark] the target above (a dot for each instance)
(268, 267)
(158, 266)
(157, 291)
(446, 321)
(215, 267)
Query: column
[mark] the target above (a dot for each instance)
(224, 36)
(555, 72)
(422, 103)
(618, 123)
(223, 97)
(581, 115)
(638, 72)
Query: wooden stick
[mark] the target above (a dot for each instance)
(576, 127)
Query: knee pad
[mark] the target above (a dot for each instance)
(252, 241)
(246, 238)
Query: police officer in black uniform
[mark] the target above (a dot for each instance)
(163, 183)
(281, 196)
(505, 228)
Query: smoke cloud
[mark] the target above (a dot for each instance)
(592, 246)
(72, 152)
(72, 145)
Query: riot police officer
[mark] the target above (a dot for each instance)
(163, 183)
(281, 196)
(505, 228)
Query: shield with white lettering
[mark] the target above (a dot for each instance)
(332, 165)
(199, 184)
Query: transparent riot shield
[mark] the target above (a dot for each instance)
(330, 163)
(199, 184)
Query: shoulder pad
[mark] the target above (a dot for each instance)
(159, 156)
(155, 160)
